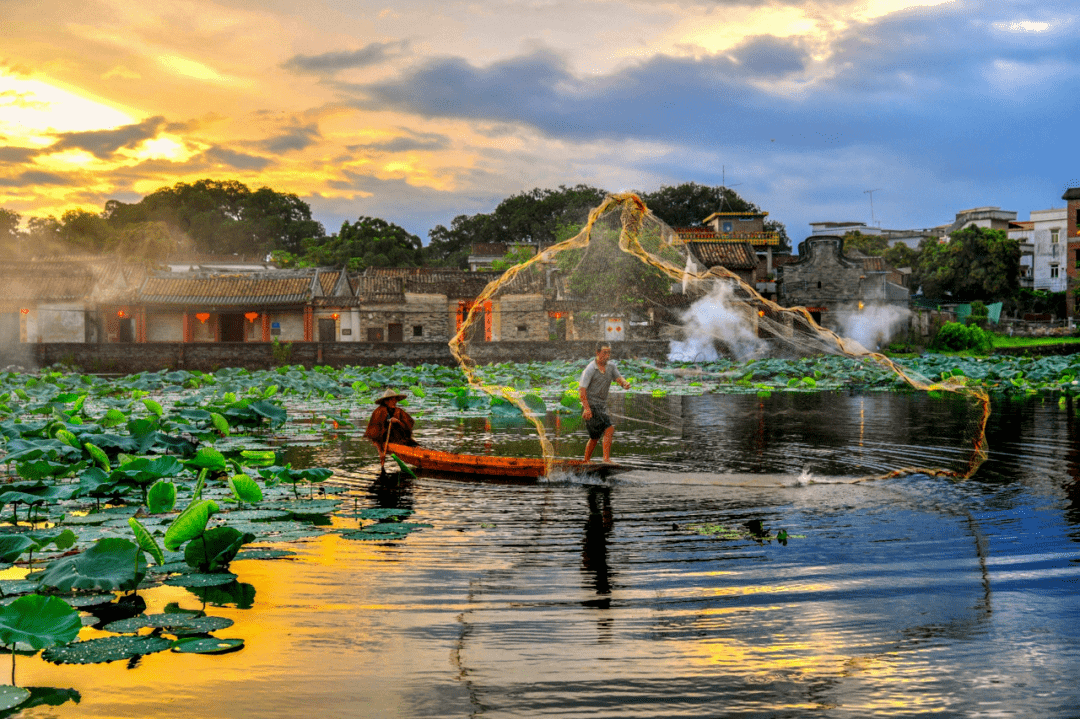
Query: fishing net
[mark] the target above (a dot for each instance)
(626, 265)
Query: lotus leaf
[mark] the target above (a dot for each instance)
(309, 506)
(361, 535)
(143, 470)
(88, 600)
(86, 519)
(189, 524)
(111, 564)
(186, 623)
(398, 527)
(38, 621)
(161, 497)
(106, 649)
(98, 455)
(201, 645)
(213, 550)
(275, 414)
(153, 407)
(11, 697)
(9, 587)
(220, 423)
(240, 595)
(68, 438)
(146, 541)
(245, 488)
(256, 515)
(263, 554)
(384, 513)
(201, 580)
(207, 458)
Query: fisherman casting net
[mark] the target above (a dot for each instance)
(626, 265)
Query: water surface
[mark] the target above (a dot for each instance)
(898, 597)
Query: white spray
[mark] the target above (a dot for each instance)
(874, 325)
(713, 318)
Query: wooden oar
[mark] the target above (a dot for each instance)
(397, 459)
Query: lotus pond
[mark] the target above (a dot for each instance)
(225, 545)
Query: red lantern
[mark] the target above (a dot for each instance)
(202, 316)
(251, 316)
(335, 315)
(25, 311)
(121, 314)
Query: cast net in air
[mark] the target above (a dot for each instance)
(626, 262)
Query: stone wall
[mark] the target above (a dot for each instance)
(210, 356)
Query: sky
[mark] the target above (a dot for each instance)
(891, 112)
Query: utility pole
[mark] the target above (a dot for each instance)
(871, 193)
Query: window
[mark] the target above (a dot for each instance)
(1054, 235)
(523, 328)
(417, 330)
(1053, 272)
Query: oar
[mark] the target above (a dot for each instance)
(404, 467)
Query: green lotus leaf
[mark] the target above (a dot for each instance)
(201, 580)
(68, 438)
(186, 623)
(12, 546)
(98, 455)
(146, 541)
(112, 418)
(213, 550)
(245, 488)
(309, 506)
(111, 564)
(394, 527)
(360, 534)
(276, 415)
(86, 520)
(106, 649)
(153, 407)
(38, 621)
(88, 600)
(48, 696)
(189, 524)
(11, 697)
(161, 497)
(207, 458)
(384, 513)
(263, 554)
(12, 587)
(211, 645)
(257, 515)
(220, 423)
(238, 594)
(144, 470)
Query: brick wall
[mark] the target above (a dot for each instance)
(210, 356)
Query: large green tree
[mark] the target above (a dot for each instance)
(223, 217)
(974, 264)
(368, 242)
(534, 217)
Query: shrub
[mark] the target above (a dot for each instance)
(956, 337)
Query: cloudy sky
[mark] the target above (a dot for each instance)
(418, 111)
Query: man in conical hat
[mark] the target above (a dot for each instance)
(390, 424)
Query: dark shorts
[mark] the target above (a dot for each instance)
(598, 424)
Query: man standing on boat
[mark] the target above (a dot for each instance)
(390, 424)
(593, 391)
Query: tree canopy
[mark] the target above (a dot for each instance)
(368, 242)
(975, 264)
(533, 217)
(223, 216)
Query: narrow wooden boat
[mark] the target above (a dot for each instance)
(491, 466)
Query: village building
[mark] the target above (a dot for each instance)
(832, 284)
(1043, 250)
(1072, 252)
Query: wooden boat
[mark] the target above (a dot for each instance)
(491, 466)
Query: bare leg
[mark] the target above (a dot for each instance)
(589, 449)
(608, 434)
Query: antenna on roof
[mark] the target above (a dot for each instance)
(871, 193)
(723, 189)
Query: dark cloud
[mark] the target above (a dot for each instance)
(767, 56)
(32, 178)
(296, 138)
(17, 155)
(331, 62)
(411, 142)
(104, 143)
(236, 160)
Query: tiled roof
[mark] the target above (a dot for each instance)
(93, 280)
(732, 255)
(233, 289)
(328, 281)
(378, 289)
(874, 264)
(489, 249)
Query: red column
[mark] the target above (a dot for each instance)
(309, 321)
(186, 329)
(265, 327)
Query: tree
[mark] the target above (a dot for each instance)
(514, 256)
(869, 245)
(224, 216)
(688, 204)
(975, 263)
(532, 217)
(10, 236)
(368, 242)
